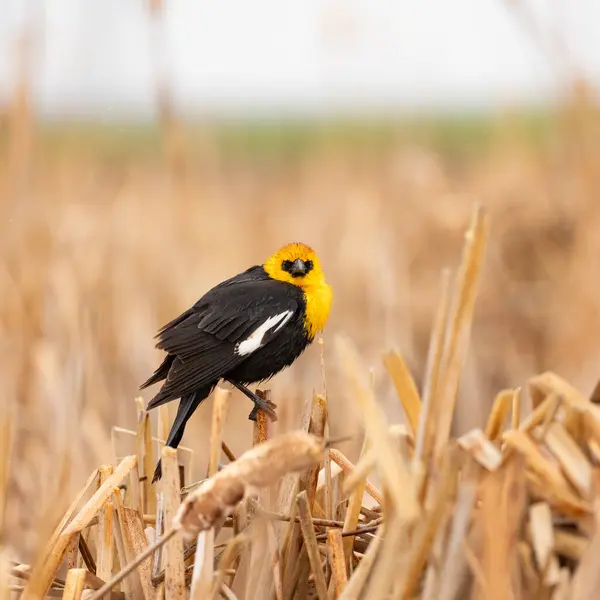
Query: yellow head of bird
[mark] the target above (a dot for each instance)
(299, 265)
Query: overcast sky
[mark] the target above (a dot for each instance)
(96, 56)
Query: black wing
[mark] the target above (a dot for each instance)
(202, 343)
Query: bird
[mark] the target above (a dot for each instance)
(243, 331)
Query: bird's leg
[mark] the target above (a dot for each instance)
(259, 402)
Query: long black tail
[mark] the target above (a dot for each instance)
(187, 406)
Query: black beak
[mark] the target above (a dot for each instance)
(298, 268)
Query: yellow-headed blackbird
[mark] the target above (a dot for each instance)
(244, 330)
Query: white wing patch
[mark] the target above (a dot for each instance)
(254, 340)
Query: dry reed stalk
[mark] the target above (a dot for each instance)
(557, 490)
(338, 561)
(453, 571)
(253, 561)
(357, 474)
(219, 417)
(400, 502)
(227, 451)
(358, 581)
(393, 470)
(537, 415)
(105, 533)
(327, 488)
(347, 467)
(286, 503)
(138, 543)
(516, 409)
(356, 492)
(459, 324)
(63, 538)
(586, 580)
(308, 533)
(405, 387)
(357, 477)
(74, 584)
(260, 434)
(234, 548)
(145, 456)
(92, 479)
(125, 571)
(479, 447)
(160, 516)
(317, 427)
(6, 445)
(541, 386)
(132, 586)
(542, 538)
(503, 403)
(574, 463)
(351, 522)
(570, 545)
(91, 508)
(173, 550)
(155, 440)
(202, 575)
(257, 564)
(275, 561)
(425, 438)
(503, 501)
(425, 531)
(5, 575)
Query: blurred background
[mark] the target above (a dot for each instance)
(151, 149)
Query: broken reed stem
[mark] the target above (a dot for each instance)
(287, 518)
(105, 589)
(202, 575)
(173, 551)
(337, 561)
(74, 584)
(392, 468)
(227, 451)
(219, 417)
(348, 468)
(310, 541)
(145, 464)
(405, 387)
(456, 343)
(353, 532)
(426, 430)
(500, 408)
(105, 533)
(61, 540)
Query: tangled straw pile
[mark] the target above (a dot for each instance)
(504, 512)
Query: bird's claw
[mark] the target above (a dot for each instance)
(266, 405)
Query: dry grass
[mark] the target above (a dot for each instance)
(507, 514)
(96, 255)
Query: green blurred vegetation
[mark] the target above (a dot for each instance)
(455, 136)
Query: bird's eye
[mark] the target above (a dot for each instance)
(286, 265)
(309, 265)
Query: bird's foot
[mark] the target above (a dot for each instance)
(263, 404)
(259, 402)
